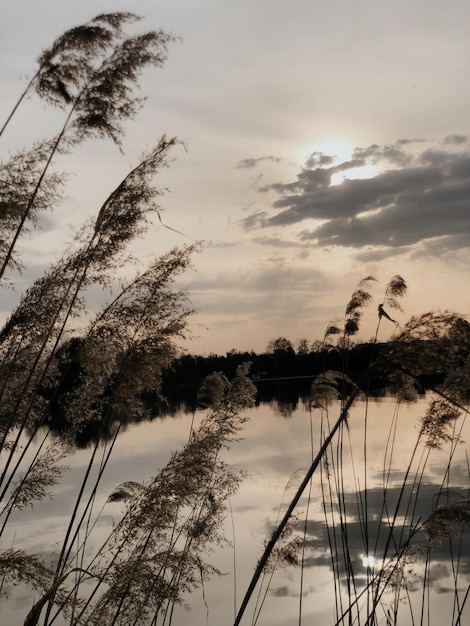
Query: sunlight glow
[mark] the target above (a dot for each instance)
(356, 173)
(341, 151)
(370, 213)
(372, 562)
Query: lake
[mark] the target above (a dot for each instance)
(276, 450)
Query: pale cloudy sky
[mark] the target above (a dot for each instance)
(326, 141)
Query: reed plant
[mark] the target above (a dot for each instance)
(63, 362)
(389, 583)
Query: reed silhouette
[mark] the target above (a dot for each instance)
(398, 560)
(96, 370)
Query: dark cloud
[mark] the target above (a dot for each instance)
(455, 139)
(379, 507)
(416, 197)
(318, 159)
(256, 220)
(249, 163)
(278, 242)
(382, 154)
(407, 142)
(281, 592)
(448, 246)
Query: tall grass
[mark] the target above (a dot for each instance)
(63, 361)
(397, 541)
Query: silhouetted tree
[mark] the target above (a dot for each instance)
(302, 347)
(280, 346)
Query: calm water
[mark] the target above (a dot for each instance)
(276, 450)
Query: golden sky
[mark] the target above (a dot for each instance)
(325, 142)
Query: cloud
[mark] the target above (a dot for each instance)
(278, 242)
(448, 246)
(406, 142)
(264, 280)
(255, 220)
(455, 139)
(281, 592)
(415, 196)
(379, 526)
(378, 254)
(250, 163)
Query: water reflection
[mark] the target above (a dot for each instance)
(276, 452)
(379, 507)
(283, 396)
(344, 539)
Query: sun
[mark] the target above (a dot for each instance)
(342, 151)
(337, 147)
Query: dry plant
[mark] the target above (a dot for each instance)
(62, 362)
(398, 554)
(59, 362)
(391, 585)
(91, 72)
(157, 552)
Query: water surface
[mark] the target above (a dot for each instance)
(276, 450)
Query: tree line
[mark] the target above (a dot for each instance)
(282, 373)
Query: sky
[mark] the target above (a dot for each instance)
(323, 142)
